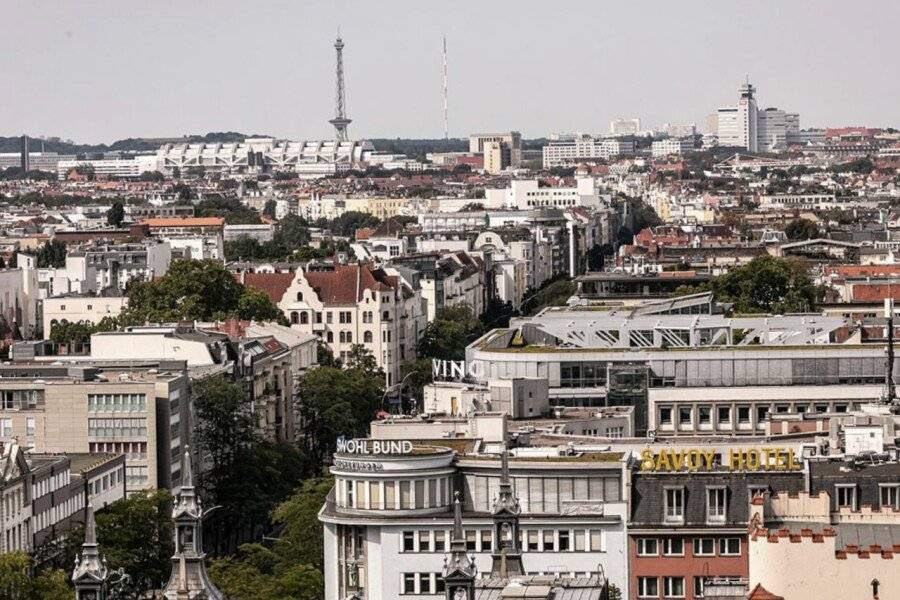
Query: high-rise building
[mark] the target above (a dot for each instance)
(496, 157)
(745, 126)
(512, 139)
(622, 126)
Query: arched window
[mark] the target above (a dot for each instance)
(299, 296)
(386, 315)
(304, 318)
(294, 319)
(367, 337)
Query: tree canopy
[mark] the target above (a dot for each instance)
(16, 582)
(116, 214)
(447, 336)
(201, 290)
(766, 284)
(801, 229)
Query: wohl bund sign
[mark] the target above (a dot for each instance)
(736, 459)
(374, 447)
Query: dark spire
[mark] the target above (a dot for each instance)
(506, 558)
(459, 567)
(189, 579)
(90, 574)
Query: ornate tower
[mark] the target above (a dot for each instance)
(506, 558)
(189, 579)
(340, 120)
(459, 568)
(90, 574)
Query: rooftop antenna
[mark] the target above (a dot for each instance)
(446, 120)
(340, 120)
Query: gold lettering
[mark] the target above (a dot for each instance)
(678, 459)
(768, 453)
(709, 456)
(695, 460)
(647, 463)
(791, 465)
(753, 459)
(662, 459)
(736, 460)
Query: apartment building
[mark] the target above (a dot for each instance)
(444, 279)
(198, 238)
(139, 410)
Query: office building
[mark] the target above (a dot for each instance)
(584, 149)
(512, 141)
(198, 238)
(671, 146)
(622, 126)
(746, 126)
(497, 157)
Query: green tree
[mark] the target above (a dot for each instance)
(301, 539)
(801, 229)
(17, 584)
(347, 223)
(446, 337)
(766, 284)
(269, 208)
(52, 254)
(116, 214)
(154, 176)
(292, 232)
(201, 290)
(552, 293)
(336, 402)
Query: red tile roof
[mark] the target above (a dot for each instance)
(346, 283)
(874, 292)
(761, 593)
(862, 270)
(273, 285)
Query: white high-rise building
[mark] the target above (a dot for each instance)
(622, 126)
(738, 124)
(745, 126)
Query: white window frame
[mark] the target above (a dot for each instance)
(641, 591)
(669, 584)
(673, 518)
(723, 546)
(849, 487)
(698, 550)
(641, 546)
(889, 487)
(714, 513)
(666, 543)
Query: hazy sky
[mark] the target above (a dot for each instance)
(97, 71)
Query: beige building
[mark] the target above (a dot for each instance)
(850, 547)
(497, 156)
(511, 139)
(141, 411)
(345, 305)
(80, 309)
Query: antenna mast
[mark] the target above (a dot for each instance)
(340, 120)
(446, 120)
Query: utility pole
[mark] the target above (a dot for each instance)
(446, 119)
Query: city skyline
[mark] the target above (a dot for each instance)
(136, 71)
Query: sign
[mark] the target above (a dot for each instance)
(374, 447)
(455, 369)
(738, 459)
(357, 465)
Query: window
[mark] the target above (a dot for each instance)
(439, 537)
(743, 414)
(684, 415)
(647, 547)
(367, 337)
(673, 587)
(294, 318)
(409, 584)
(424, 540)
(730, 546)
(705, 415)
(889, 495)
(756, 490)
(665, 415)
(648, 587)
(715, 504)
(471, 541)
(533, 540)
(548, 540)
(724, 414)
(674, 546)
(762, 413)
(564, 539)
(6, 428)
(845, 496)
(304, 318)
(704, 547)
(329, 337)
(698, 586)
(318, 316)
(29, 426)
(329, 317)
(409, 541)
(674, 502)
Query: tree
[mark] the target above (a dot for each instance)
(446, 337)
(201, 290)
(801, 229)
(135, 534)
(336, 402)
(116, 214)
(552, 293)
(16, 584)
(416, 374)
(52, 254)
(154, 176)
(292, 232)
(347, 223)
(301, 540)
(269, 208)
(765, 285)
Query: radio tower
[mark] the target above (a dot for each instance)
(446, 120)
(340, 120)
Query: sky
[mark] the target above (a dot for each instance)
(101, 70)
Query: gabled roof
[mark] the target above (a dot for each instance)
(761, 593)
(273, 285)
(345, 284)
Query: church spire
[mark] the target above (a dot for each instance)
(189, 579)
(506, 558)
(90, 574)
(459, 568)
